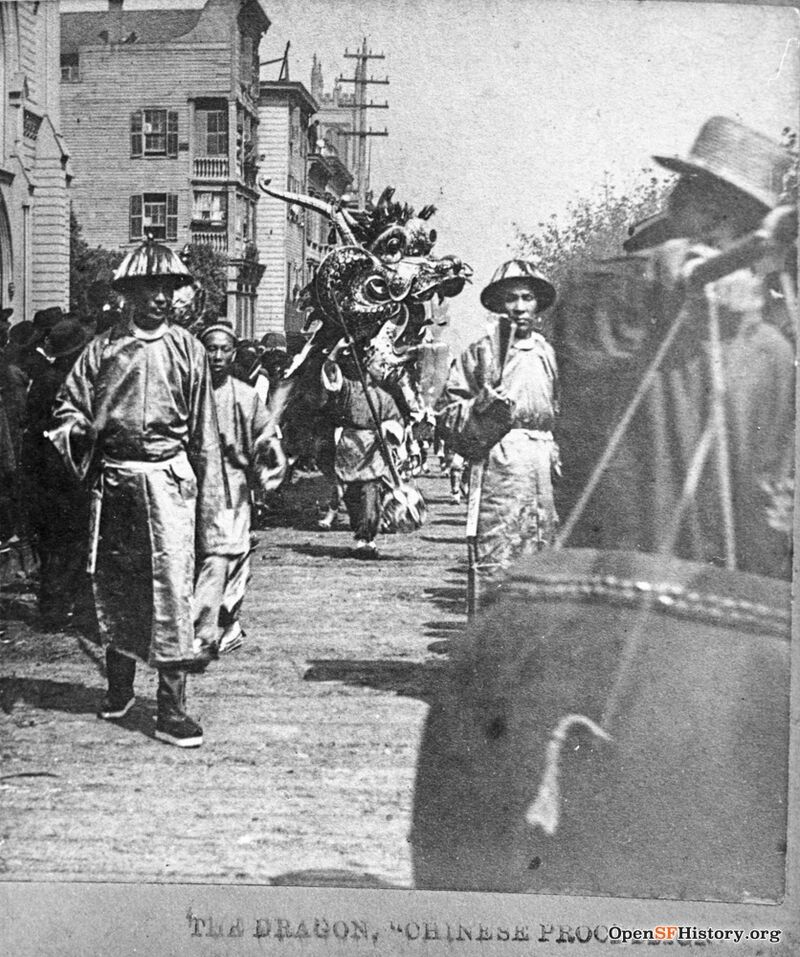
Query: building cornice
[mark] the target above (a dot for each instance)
(291, 88)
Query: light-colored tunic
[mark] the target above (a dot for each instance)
(222, 577)
(359, 457)
(157, 475)
(243, 423)
(516, 511)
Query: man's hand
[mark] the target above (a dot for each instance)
(489, 396)
(271, 464)
(82, 437)
(780, 225)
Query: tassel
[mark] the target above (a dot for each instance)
(546, 808)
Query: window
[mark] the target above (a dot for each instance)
(154, 133)
(210, 208)
(212, 132)
(69, 67)
(245, 220)
(248, 61)
(154, 214)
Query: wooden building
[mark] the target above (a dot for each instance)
(161, 105)
(284, 108)
(34, 206)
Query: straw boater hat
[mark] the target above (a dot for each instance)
(737, 155)
(511, 274)
(148, 261)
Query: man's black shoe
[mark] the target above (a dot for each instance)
(115, 707)
(183, 732)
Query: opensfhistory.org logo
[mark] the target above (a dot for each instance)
(684, 933)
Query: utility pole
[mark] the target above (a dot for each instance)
(360, 107)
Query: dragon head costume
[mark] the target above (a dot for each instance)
(373, 287)
(372, 290)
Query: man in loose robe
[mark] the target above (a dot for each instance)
(670, 485)
(137, 414)
(252, 456)
(498, 409)
(359, 462)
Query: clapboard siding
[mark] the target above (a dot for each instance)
(36, 264)
(271, 217)
(115, 80)
(96, 117)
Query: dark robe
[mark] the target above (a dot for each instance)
(609, 327)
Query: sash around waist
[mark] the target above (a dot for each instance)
(180, 460)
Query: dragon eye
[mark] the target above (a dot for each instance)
(376, 289)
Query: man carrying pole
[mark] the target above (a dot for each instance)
(500, 403)
(703, 397)
(136, 418)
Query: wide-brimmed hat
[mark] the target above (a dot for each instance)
(512, 273)
(151, 260)
(225, 327)
(45, 319)
(66, 337)
(21, 333)
(649, 233)
(737, 155)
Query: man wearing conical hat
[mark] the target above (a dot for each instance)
(136, 415)
(713, 429)
(499, 407)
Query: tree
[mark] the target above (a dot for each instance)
(90, 272)
(592, 228)
(208, 268)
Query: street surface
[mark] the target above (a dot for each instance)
(311, 728)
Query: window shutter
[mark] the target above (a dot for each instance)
(136, 134)
(136, 217)
(172, 134)
(172, 217)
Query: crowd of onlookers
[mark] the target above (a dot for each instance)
(43, 508)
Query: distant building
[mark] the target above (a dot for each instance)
(284, 110)
(34, 206)
(161, 106)
(336, 118)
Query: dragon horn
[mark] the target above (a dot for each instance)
(310, 202)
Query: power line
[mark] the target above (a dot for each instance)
(360, 107)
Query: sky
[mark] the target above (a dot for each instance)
(502, 111)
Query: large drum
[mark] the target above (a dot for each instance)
(613, 724)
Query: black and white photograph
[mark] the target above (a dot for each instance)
(397, 476)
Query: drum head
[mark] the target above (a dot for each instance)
(687, 797)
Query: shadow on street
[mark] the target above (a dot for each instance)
(70, 697)
(411, 679)
(330, 877)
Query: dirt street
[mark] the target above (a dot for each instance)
(311, 728)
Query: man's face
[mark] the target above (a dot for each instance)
(706, 210)
(151, 303)
(221, 350)
(519, 302)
